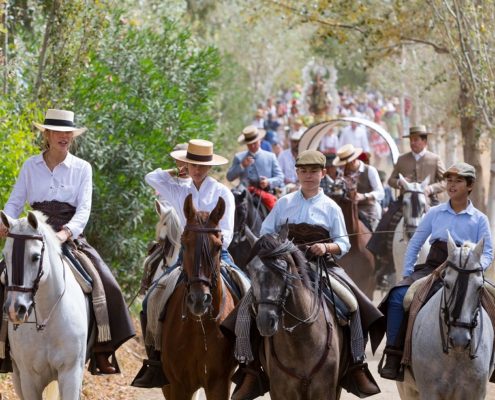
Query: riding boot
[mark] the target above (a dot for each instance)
(151, 373)
(251, 382)
(392, 369)
(361, 382)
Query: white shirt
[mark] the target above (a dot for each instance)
(287, 164)
(378, 192)
(357, 137)
(417, 156)
(329, 142)
(318, 210)
(69, 182)
(175, 191)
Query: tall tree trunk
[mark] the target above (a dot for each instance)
(472, 151)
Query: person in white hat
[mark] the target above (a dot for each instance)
(369, 186)
(287, 158)
(255, 166)
(59, 184)
(198, 159)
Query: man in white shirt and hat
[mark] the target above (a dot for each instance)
(287, 158)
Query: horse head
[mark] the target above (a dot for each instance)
(168, 231)
(241, 213)
(414, 204)
(202, 241)
(461, 301)
(273, 270)
(30, 244)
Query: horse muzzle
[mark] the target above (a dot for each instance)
(459, 339)
(17, 309)
(199, 302)
(267, 322)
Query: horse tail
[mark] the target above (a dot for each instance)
(51, 392)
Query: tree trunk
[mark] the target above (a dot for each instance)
(470, 136)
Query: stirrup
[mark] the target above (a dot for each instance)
(399, 370)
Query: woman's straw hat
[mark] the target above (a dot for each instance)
(346, 154)
(199, 152)
(60, 121)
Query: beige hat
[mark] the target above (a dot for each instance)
(251, 134)
(311, 157)
(297, 135)
(199, 152)
(417, 130)
(60, 121)
(462, 169)
(346, 154)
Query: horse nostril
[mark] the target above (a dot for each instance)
(189, 299)
(22, 310)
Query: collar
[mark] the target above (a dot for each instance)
(417, 156)
(361, 166)
(447, 207)
(313, 199)
(38, 159)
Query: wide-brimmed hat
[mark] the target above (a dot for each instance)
(251, 134)
(59, 120)
(417, 130)
(346, 154)
(297, 135)
(199, 152)
(462, 169)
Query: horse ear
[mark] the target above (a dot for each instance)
(403, 182)
(284, 231)
(158, 207)
(478, 249)
(217, 213)
(451, 246)
(6, 220)
(189, 210)
(32, 219)
(242, 196)
(425, 182)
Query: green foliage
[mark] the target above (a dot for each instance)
(144, 91)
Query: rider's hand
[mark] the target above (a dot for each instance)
(263, 182)
(427, 191)
(3, 230)
(248, 160)
(62, 235)
(360, 197)
(318, 249)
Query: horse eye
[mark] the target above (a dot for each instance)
(36, 257)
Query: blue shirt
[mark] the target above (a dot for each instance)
(468, 225)
(318, 210)
(265, 164)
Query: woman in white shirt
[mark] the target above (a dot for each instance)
(59, 184)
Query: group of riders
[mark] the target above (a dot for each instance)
(60, 185)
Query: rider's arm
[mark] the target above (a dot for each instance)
(18, 197)
(485, 233)
(419, 238)
(378, 192)
(236, 170)
(438, 184)
(271, 221)
(393, 181)
(277, 178)
(338, 232)
(83, 202)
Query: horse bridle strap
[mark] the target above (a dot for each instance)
(18, 263)
(201, 229)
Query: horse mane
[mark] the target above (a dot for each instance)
(269, 244)
(171, 219)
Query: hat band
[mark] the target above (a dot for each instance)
(197, 157)
(250, 137)
(347, 157)
(58, 122)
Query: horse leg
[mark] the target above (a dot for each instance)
(218, 389)
(70, 383)
(16, 380)
(31, 387)
(177, 392)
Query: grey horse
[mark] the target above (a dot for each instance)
(452, 341)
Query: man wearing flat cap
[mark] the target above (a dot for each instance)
(255, 166)
(414, 166)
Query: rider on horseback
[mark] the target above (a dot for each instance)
(465, 223)
(256, 168)
(205, 190)
(309, 208)
(415, 166)
(59, 184)
(369, 186)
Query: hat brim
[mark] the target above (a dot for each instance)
(260, 136)
(75, 131)
(181, 155)
(417, 133)
(337, 162)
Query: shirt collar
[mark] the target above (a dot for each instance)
(312, 199)
(468, 210)
(417, 156)
(38, 159)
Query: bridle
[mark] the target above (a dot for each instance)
(18, 275)
(415, 206)
(455, 300)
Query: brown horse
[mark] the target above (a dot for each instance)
(303, 342)
(359, 262)
(195, 353)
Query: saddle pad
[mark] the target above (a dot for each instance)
(81, 280)
(408, 298)
(235, 279)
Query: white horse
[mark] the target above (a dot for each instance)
(48, 313)
(414, 206)
(452, 339)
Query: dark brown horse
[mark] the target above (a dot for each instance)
(195, 353)
(359, 262)
(303, 342)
